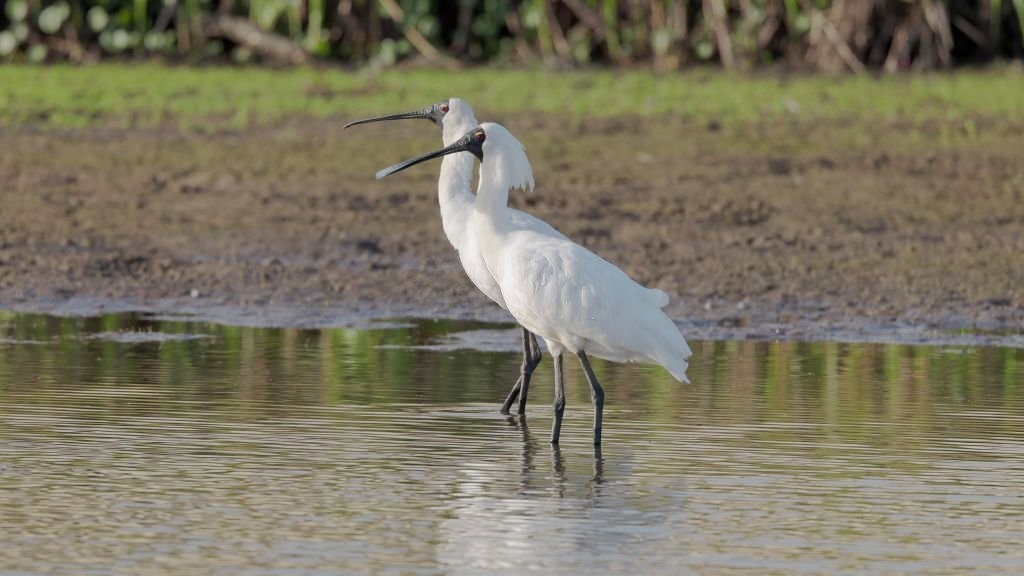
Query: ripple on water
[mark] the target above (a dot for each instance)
(257, 451)
(139, 337)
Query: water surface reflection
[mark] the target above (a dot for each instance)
(140, 445)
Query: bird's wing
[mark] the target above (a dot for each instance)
(568, 294)
(533, 224)
(558, 281)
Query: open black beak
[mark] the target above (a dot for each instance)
(424, 113)
(469, 143)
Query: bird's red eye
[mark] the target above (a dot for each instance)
(479, 136)
(444, 108)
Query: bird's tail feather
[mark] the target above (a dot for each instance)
(677, 368)
(669, 348)
(674, 359)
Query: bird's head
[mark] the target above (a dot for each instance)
(472, 142)
(503, 157)
(453, 116)
(435, 113)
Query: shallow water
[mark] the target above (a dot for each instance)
(144, 445)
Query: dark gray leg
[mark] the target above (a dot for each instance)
(596, 395)
(559, 405)
(512, 395)
(531, 358)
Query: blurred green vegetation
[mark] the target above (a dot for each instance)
(890, 35)
(151, 95)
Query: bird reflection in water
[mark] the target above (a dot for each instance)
(559, 482)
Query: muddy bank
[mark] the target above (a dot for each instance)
(796, 229)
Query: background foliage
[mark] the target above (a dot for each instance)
(828, 35)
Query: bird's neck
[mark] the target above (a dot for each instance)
(455, 196)
(455, 127)
(492, 191)
(490, 221)
(455, 186)
(492, 194)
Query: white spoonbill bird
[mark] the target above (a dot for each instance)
(573, 299)
(455, 197)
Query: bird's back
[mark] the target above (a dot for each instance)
(523, 221)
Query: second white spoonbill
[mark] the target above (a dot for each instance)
(455, 197)
(573, 299)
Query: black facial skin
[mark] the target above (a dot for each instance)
(435, 113)
(472, 142)
(477, 137)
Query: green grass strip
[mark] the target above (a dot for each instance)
(214, 97)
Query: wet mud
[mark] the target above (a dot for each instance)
(797, 229)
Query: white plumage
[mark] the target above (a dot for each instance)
(456, 199)
(573, 299)
(559, 290)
